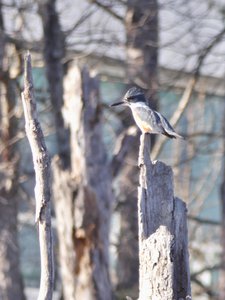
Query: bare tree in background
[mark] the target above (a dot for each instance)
(10, 278)
(141, 24)
(81, 184)
(54, 53)
(142, 46)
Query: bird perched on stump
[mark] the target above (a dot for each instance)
(147, 119)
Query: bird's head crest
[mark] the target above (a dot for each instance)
(134, 94)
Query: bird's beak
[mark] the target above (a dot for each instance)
(124, 102)
(118, 103)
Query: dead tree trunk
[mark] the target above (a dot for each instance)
(54, 54)
(163, 242)
(42, 189)
(11, 286)
(142, 45)
(82, 194)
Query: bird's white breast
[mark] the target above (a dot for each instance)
(141, 117)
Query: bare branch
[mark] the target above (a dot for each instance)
(205, 134)
(207, 50)
(206, 289)
(79, 22)
(107, 9)
(124, 144)
(176, 116)
(188, 91)
(204, 221)
(207, 268)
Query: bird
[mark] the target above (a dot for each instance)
(147, 119)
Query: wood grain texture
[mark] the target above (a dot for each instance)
(163, 241)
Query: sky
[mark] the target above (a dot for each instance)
(185, 29)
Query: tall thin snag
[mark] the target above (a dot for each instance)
(41, 162)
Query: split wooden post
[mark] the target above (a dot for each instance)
(163, 241)
(41, 162)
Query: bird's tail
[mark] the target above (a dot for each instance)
(179, 136)
(174, 135)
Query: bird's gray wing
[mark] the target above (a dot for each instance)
(157, 122)
(168, 129)
(165, 123)
(151, 117)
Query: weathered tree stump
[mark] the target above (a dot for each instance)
(163, 240)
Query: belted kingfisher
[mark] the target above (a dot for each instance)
(148, 120)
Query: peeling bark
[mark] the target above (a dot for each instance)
(83, 194)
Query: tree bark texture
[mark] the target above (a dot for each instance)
(83, 194)
(163, 242)
(11, 286)
(42, 189)
(54, 53)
